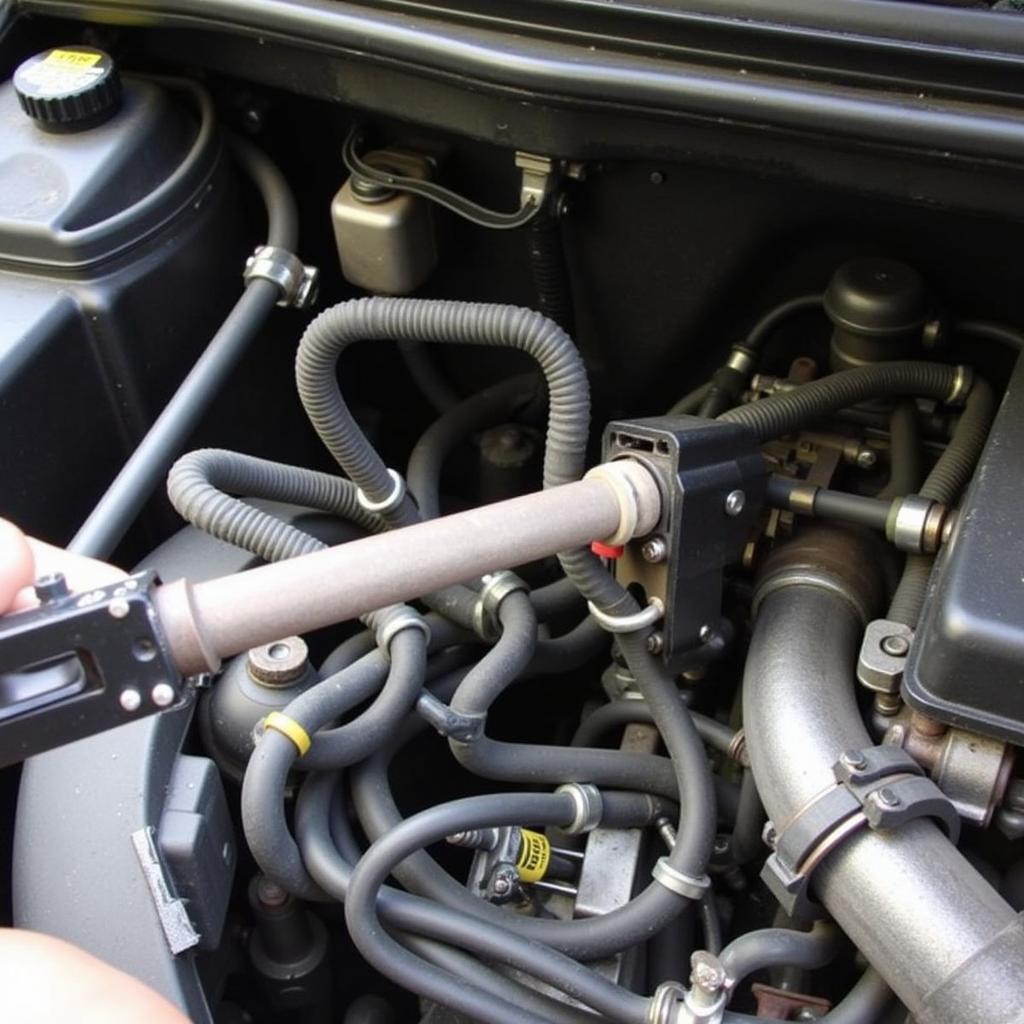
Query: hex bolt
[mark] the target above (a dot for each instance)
(119, 608)
(51, 587)
(769, 835)
(655, 643)
(895, 646)
(269, 893)
(501, 885)
(854, 760)
(654, 550)
(162, 695)
(735, 502)
(706, 634)
(886, 797)
(130, 699)
(707, 978)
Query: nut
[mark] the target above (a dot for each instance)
(279, 663)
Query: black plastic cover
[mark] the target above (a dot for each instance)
(966, 666)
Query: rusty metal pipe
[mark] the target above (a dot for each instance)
(208, 621)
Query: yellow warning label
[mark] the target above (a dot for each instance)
(73, 58)
(534, 856)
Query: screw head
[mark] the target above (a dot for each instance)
(51, 587)
(854, 760)
(706, 634)
(162, 695)
(130, 699)
(895, 646)
(866, 458)
(655, 643)
(502, 885)
(119, 608)
(769, 835)
(654, 550)
(886, 797)
(735, 502)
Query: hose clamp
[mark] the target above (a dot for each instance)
(741, 359)
(628, 623)
(408, 618)
(388, 504)
(297, 282)
(963, 381)
(497, 586)
(689, 886)
(881, 788)
(664, 1004)
(589, 807)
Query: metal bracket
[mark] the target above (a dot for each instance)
(80, 664)
(878, 788)
(297, 282)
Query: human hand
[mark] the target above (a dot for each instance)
(45, 980)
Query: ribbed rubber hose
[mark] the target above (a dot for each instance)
(399, 319)
(550, 272)
(200, 483)
(783, 414)
(948, 478)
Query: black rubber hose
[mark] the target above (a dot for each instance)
(786, 413)
(619, 713)
(747, 844)
(690, 403)
(904, 452)
(487, 408)
(431, 826)
(780, 947)
(710, 924)
(327, 856)
(863, 1004)
(141, 474)
(799, 304)
(550, 272)
(588, 939)
(1001, 333)
(572, 650)
(427, 376)
(263, 785)
(949, 476)
(199, 485)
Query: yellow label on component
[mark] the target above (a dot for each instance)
(73, 58)
(534, 856)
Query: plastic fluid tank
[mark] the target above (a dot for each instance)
(120, 252)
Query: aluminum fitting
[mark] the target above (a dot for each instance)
(297, 283)
(911, 521)
(408, 618)
(497, 586)
(588, 807)
(962, 384)
(682, 884)
(388, 504)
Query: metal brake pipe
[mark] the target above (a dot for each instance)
(205, 622)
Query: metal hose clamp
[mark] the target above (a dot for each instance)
(388, 504)
(497, 586)
(907, 523)
(297, 283)
(406, 619)
(963, 381)
(589, 807)
(682, 884)
(628, 623)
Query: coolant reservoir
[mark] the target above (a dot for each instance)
(120, 252)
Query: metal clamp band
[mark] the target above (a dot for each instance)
(693, 888)
(879, 788)
(297, 283)
(497, 586)
(589, 807)
(907, 523)
(391, 502)
(962, 384)
(407, 619)
(628, 623)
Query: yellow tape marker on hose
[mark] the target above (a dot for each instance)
(288, 727)
(534, 856)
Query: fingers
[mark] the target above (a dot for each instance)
(17, 564)
(47, 981)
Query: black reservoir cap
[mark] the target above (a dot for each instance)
(69, 88)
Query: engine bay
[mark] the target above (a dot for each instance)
(564, 582)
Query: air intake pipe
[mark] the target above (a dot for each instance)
(944, 940)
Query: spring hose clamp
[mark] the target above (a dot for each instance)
(297, 282)
(880, 788)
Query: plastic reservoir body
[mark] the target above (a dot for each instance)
(120, 251)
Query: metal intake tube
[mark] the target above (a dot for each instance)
(938, 933)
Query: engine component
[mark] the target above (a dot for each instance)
(971, 618)
(69, 89)
(386, 238)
